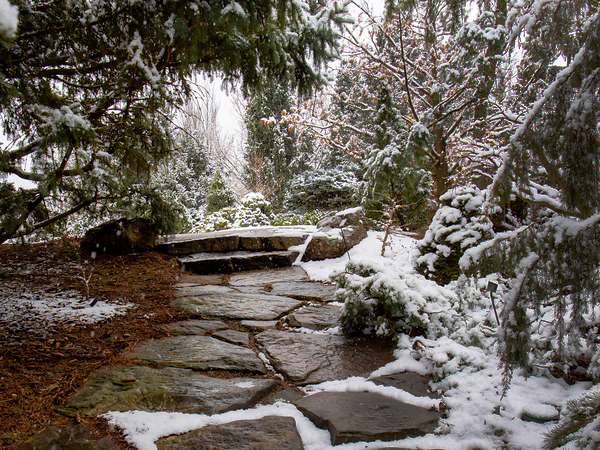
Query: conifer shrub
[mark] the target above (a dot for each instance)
(220, 195)
(323, 189)
(579, 424)
(459, 224)
(388, 303)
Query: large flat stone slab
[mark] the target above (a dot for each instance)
(364, 416)
(197, 352)
(223, 302)
(267, 433)
(263, 238)
(194, 327)
(239, 261)
(170, 389)
(315, 358)
(315, 317)
(261, 277)
(301, 290)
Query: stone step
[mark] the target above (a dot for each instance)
(250, 239)
(206, 262)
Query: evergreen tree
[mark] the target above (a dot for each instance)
(85, 88)
(397, 186)
(273, 154)
(220, 195)
(552, 164)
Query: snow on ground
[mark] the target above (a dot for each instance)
(479, 416)
(36, 310)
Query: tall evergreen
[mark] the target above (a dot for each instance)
(273, 153)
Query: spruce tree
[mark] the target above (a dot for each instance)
(397, 186)
(87, 89)
(220, 195)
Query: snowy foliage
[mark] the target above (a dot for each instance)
(323, 189)
(579, 424)
(459, 224)
(253, 211)
(388, 302)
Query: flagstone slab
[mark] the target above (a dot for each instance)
(69, 437)
(261, 277)
(315, 358)
(262, 238)
(267, 433)
(209, 263)
(227, 303)
(301, 290)
(415, 384)
(365, 416)
(194, 327)
(289, 395)
(197, 352)
(315, 317)
(233, 337)
(142, 388)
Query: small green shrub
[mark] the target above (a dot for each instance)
(458, 225)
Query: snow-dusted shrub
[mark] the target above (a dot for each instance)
(377, 299)
(255, 200)
(220, 195)
(329, 189)
(222, 219)
(459, 224)
(579, 424)
(254, 211)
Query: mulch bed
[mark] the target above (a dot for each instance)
(40, 371)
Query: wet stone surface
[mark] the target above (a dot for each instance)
(224, 302)
(198, 352)
(364, 416)
(315, 317)
(314, 358)
(170, 389)
(267, 433)
(71, 437)
(258, 325)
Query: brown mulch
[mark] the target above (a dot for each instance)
(40, 371)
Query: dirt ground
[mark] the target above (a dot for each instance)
(41, 370)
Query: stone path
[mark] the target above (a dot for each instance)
(251, 329)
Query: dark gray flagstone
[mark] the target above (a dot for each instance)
(197, 352)
(227, 303)
(315, 317)
(314, 358)
(364, 416)
(267, 433)
(197, 327)
(233, 337)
